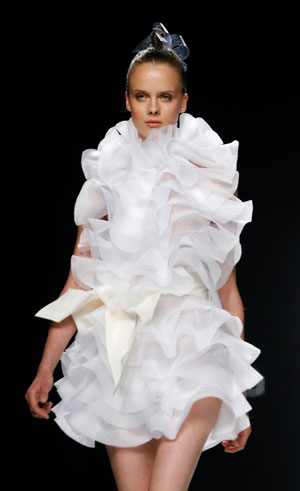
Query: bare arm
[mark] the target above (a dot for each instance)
(58, 338)
(231, 299)
(60, 333)
(232, 302)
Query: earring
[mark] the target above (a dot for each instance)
(178, 121)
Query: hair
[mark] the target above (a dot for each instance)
(157, 53)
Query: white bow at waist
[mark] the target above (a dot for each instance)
(121, 314)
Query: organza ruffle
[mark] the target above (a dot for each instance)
(171, 207)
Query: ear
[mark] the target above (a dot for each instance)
(184, 103)
(128, 107)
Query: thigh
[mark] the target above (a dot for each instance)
(132, 466)
(176, 460)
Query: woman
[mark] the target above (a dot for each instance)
(159, 363)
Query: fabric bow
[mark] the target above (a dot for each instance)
(122, 313)
(171, 41)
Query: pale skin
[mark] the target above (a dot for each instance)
(154, 94)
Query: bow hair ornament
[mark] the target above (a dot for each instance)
(171, 41)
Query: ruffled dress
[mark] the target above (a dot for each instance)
(152, 335)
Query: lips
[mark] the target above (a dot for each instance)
(153, 123)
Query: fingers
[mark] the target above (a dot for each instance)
(42, 412)
(36, 396)
(239, 443)
(36, 410)
(231, 446)
(43, 397)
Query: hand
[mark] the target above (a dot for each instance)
(38, 393)
(232, 446)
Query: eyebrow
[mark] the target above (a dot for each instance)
(162, 92)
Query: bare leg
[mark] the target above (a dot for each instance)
(176, 460)
(132, 466)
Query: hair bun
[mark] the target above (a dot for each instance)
(160, 38)
(159, 35)
(156, 42)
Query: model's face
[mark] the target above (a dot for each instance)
(155, 97)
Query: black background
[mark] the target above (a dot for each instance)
(66, 89)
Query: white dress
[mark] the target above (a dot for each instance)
(152, 335)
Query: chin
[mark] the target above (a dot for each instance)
(143, 134)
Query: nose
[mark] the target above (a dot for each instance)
(153, 107)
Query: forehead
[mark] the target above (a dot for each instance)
(153, 75)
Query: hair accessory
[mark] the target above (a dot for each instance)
(171, 41)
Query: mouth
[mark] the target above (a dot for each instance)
(153, 123)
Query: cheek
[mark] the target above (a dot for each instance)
(174, 112)
(137, 110)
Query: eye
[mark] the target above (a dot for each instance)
(140, 96)
(166, 97)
